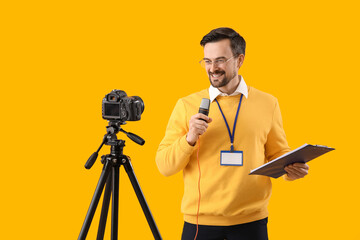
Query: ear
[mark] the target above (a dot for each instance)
(240, 58)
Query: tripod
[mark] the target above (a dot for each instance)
(110, 177)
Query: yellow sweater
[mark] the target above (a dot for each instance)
(229, 196)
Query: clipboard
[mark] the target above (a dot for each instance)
(303, 154)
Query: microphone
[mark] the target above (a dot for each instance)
(204, 107)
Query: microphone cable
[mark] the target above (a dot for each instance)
(199, 198)
(204, 109)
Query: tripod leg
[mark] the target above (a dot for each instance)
(130, 171)
(115, 202)
(94, 202)
(105, 209)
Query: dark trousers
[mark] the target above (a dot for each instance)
(256, 230)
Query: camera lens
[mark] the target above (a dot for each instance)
(140, 102)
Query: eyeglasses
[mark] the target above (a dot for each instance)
(218, 62)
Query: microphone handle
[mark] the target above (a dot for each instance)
(204, 111)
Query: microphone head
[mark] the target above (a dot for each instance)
(205, 103)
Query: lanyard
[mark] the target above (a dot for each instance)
(227, 125)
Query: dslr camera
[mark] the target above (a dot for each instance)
(117, 106)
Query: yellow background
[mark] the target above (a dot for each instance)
(60, 58)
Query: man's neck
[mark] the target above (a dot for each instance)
(231, 86)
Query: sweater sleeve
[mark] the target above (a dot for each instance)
(276, 144)
(174, 151)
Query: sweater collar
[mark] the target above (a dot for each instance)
(242, 88)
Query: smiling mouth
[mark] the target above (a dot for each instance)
(216, 75)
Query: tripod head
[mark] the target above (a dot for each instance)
(110, 138)
(115, 126)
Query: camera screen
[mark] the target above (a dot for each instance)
(112, 109)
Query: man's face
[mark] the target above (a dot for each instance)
(220, 74)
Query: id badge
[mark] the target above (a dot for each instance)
(228, 158)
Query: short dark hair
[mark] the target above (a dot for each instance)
(237, 42)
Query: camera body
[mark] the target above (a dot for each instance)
(117, 106)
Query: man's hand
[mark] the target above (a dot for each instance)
(197, 127)
(297, 170)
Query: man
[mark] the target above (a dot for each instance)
(233, 204)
